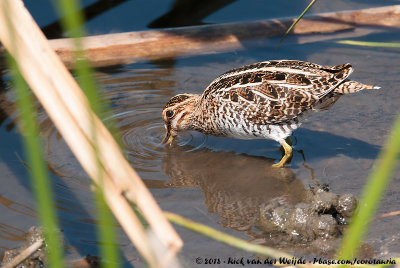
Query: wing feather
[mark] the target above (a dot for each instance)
(273, 92)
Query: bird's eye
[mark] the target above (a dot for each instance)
(169, 113)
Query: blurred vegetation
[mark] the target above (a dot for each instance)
(73, 24)
(40, 179)
(369, 44)
(372, 194)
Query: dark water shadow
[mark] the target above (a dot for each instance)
(55, 30)
(308, 145)
(13, 206)
(248, 35)
(321, 144)
(7, 108)
(188, 13)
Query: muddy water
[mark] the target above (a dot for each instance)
(217, 181)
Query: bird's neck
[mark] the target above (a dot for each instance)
(203, 118)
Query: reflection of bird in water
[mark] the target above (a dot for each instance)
(229, 188)
(268, 204)
(265, 100)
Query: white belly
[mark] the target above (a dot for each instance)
(240, 129)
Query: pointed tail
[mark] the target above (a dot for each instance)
(349, 86)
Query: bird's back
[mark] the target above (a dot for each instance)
(274, 92)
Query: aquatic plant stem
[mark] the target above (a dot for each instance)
(372, 193)
(249, 247)
(225, 238)
(368, 44)
(295, 22)
(73, 21)
(106, 230)
(40, 179)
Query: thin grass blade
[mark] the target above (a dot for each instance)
(38, 171)
(295, 22)
(372, 194)
(369, 44)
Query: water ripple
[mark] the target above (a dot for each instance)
(142, 131)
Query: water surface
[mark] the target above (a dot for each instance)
(221, 182)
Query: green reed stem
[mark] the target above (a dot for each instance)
(247, 246)
(225, 238)
(38, 170)
(372, 193)
(295, 22)
(72, 21)
(369, 44)
(109, 249)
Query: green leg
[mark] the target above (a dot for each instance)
(288, 154)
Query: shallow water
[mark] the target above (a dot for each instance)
(217, 181)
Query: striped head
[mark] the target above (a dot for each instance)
(178, 115)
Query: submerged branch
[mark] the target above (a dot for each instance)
(120, 48)
(24, 255)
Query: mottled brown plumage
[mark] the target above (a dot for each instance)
(262, 100)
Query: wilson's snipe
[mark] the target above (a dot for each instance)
(264, 100)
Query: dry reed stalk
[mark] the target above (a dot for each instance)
(70, 111)
(384, 215)
(119, 48)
